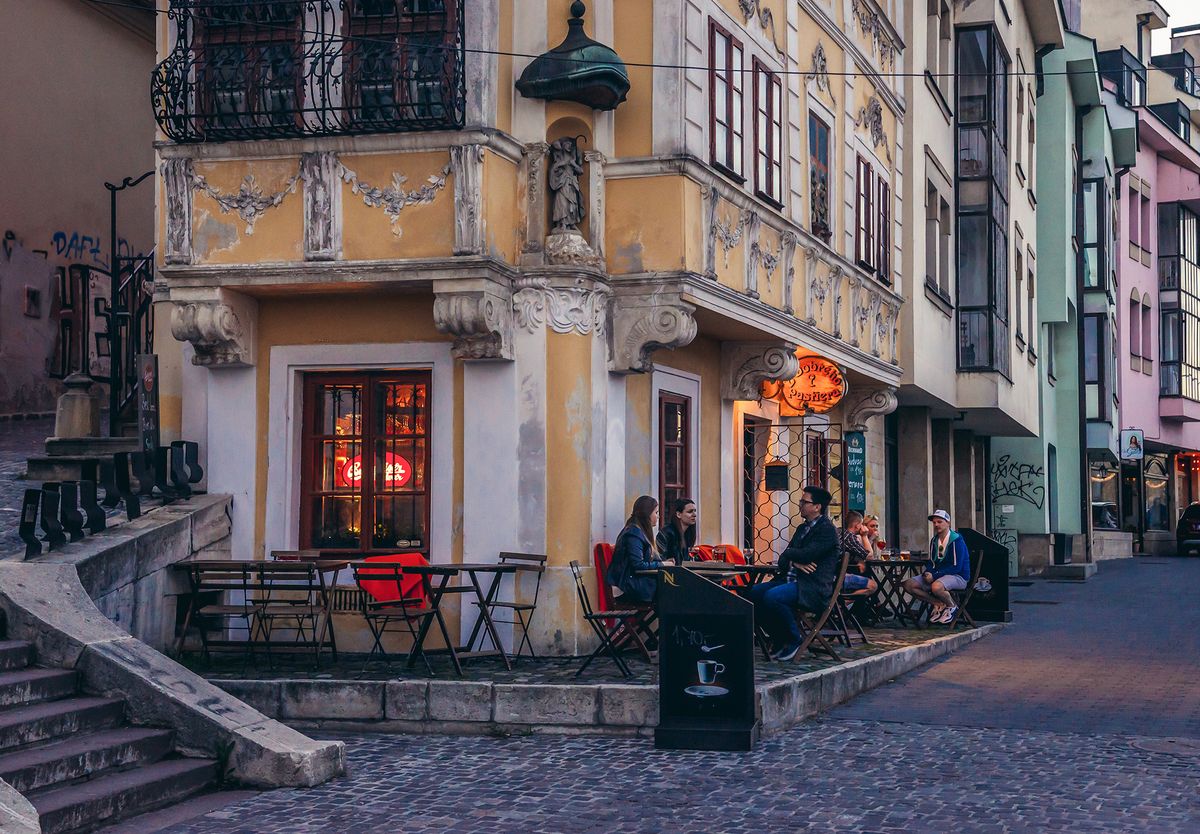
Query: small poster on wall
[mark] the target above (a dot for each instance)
(856, 471)
(1133, 444)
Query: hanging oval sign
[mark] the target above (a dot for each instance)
(816, 388)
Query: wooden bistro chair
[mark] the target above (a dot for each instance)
(293, 595)
(522, 612)
(812, 625)
(961, 598)
(392, 599)
(234, 607)
(608, 626)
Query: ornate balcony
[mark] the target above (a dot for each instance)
(249, 69)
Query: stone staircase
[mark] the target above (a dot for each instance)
(76, 758)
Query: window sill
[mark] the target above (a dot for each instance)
(728, 172)
(769, 200)
(940, 299)
(1020, 340)
(1020, 173)
(1051, 378)
(939, 97)
(1031, 355)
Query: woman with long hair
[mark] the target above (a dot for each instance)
(678, 534)
(635, 551)
(869, 533)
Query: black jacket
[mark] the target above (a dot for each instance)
(815, 543)
(631, 553)
(672, 544)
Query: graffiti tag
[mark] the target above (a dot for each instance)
(79, 247)
(1015, 479)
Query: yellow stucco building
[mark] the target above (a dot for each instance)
(407, 317)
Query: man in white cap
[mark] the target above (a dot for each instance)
(948, 569)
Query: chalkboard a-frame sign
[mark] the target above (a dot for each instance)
(706, 665)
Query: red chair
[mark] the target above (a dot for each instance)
(629, 628)
(392, 597)
(704, 553)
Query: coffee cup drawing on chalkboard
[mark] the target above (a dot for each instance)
(707, 671)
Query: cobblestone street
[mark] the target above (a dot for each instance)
(1084, 715)
(18, 440)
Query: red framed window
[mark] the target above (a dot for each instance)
(883, 259)
(365, 477)
(816, 454)
(864, 215)
(725, 63)
(768, 134)
(674, 450)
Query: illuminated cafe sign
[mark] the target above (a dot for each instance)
(816, 388)
(397, 474)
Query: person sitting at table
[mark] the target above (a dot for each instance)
(808, 570)
(947, 569)
(869, 533)
(856, 579)
(678, 534)
(635, 551)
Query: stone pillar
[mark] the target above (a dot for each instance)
(963, 511)
(943, 465)
(915, 444)
(78, 412)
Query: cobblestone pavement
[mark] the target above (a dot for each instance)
(1055, 724)
(18, 440)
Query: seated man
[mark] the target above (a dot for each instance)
(857, 581)
(808, 569)
(948, 569)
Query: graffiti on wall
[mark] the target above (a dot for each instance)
(1004, 534)
(1011, 478)
(76, 246)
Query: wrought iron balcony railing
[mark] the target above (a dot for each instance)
(268, 69)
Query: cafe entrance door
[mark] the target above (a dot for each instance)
(779, 460)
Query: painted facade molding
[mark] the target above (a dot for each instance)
(478, 314)
(871, 117)
(595, 161)
(873, 24)
(766, 20)
(745, 366)
(393, 199)
(178, 177)
(250, 202)
(642, 324)
(322, 206)
(819, 72)
(220, 329)
(466, 163)
(874, 403)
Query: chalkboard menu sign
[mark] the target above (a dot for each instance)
(856, 471)
(146, 366)
(989, 602)
(705, 665)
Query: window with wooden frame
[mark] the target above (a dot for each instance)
(249, 69)
(768, 134)
(818, 167)
(883, 213)
(365, 465)
(725, 61)
(864, 216)
(816, 460)
(397, 63)
(674, 450)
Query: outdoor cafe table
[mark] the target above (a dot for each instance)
(890, 574)
(436, 591)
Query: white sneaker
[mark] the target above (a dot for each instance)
(948, 615)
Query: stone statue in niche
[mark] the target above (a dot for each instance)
(566, 167)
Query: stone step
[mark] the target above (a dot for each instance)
(20, 726)
(31, 686)
(15, 654)
(84, 754)
(84, 806)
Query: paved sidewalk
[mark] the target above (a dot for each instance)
(1055, 724)
(18, 440)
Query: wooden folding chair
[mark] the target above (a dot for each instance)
(814, 640)
(232, 584)
(961, 598)
(607, 625)
(392, 598)
(522, 612)
(643, 624)
(294, 595)
(842, 623)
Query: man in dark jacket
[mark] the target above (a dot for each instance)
(808, 570)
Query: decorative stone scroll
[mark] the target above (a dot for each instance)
(819, 74)
(728, 234)
(755, 9)
(178, 181)
(466, 162)
(872, 403)
(871, 117)
(871, 24)
(747, 365)
(249, 201)
(788, 241)
(479, 317)
(322, 206)
(215, 331)
(643, 324)
(578, 309)
(394, 199)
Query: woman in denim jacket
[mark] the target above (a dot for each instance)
(635, 551)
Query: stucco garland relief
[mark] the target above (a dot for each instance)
(394, 199)
(870, 23)
(755, 9)
(580, 309)
(819, 74)
(817, 287)
(769, 260)
(249, 201)
(871, 117)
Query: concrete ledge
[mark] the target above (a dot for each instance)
(17, 815)
(1081, 571)
(486, 708)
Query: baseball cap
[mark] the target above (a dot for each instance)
(942, 514)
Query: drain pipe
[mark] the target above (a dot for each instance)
(1086, 483)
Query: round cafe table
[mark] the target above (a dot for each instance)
(889, 575)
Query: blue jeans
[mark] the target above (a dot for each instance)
(774, 607)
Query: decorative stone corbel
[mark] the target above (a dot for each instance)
(220, 328)
(747, 365)
(322, 205)
(178, 177)
(873, 403)
(642, 324)
(478, 314)
(466, 162)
